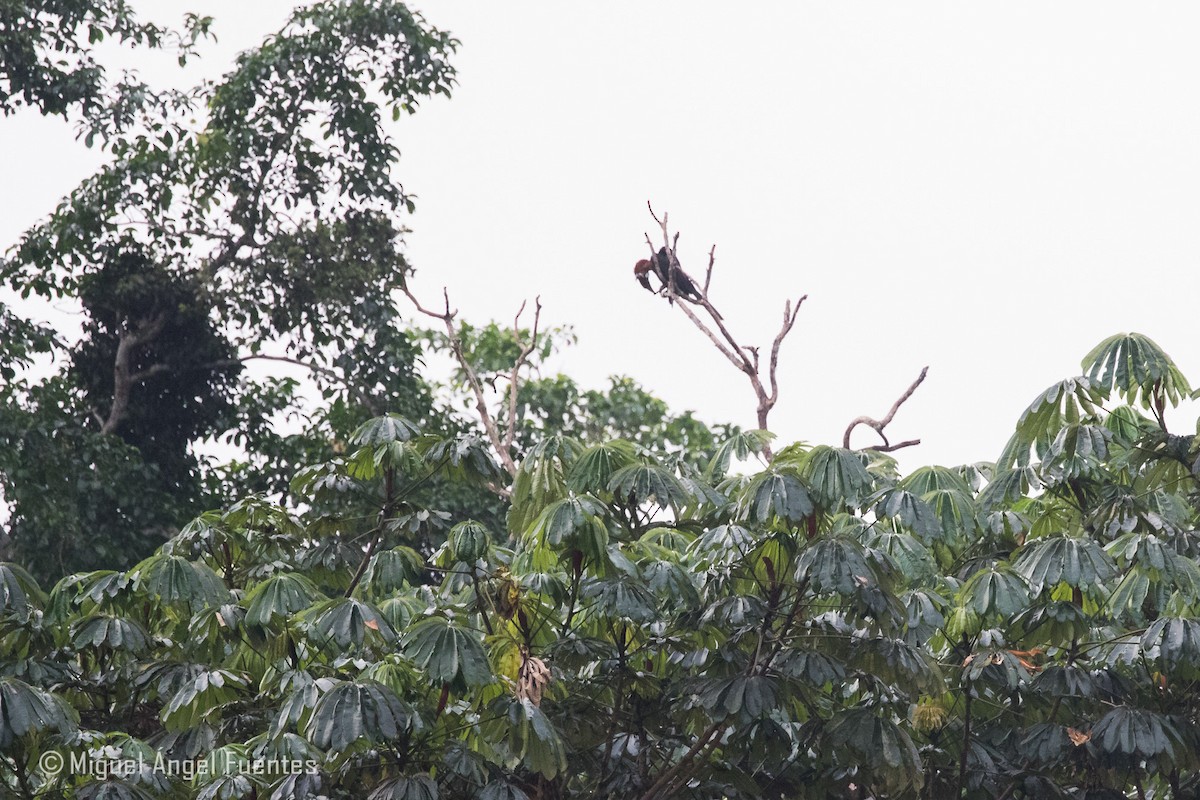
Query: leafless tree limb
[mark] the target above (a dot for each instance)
(879, 424)
(514, 377)
(502, 443)
(744, 358)
(712, 259)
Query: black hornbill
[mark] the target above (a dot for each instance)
(664, 266)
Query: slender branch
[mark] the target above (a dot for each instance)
(789, 319)
(879, 424)
(712, 258)
(666, 778)
(389, 483)
(514, 377)
(502, 444)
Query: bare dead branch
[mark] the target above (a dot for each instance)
(745, 358)
(501, 443)
(879, 424)
(712, 258)
(789, 319)
(515, 377)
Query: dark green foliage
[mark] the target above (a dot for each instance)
(815, 628)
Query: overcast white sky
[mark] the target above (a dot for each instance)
(989, 189)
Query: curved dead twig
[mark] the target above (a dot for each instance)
(879, 424)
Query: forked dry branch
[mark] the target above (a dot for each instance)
(746, 358)
(502, 440)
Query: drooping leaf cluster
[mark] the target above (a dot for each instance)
(647, 628)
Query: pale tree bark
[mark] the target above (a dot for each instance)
(879, 424)
(129, 340)
(501, 437)
(745, 358)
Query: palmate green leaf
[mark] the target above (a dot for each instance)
(346, 621)
(501, 790)
(532, 738)
(1140, 733)
(723, 544)
(924, 480)
(359, 711)
(621, 598)
(775, 495)
(995, 591)
(406, 787)
(910, 556)
(925, 609)
(645, 483)
(910, 511)
(468, 541)
(746, 696)
(18, 592)
(391, 570)
(300, 693)
(176, 581)
(734, 613)
(1044, 743)
(201, 696)
(671, 539)
(668, 580)
(811, 666)
(25, 710)
(1076, 451)
(1052, 623)
(115, 633)
(741, 445)
(879, 745)
(574, 521)
(595, 467)
(280, 595)
(956, 512)
(540, 480)
(837, 478)
(448, 653)
(997, 667)
(1137, 368)
(466, 457)
(1173, 642)
(1008, 486)
(1067, 402)
(1078, 562)
(901, 664)
(1127, 598)
(1128, 425)
(1060, 680)
(366, 463)
(1159, 559)
(383, 430)
(85, 591)
(835, 565)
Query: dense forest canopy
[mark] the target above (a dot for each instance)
(510, 586)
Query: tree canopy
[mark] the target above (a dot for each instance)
(652, 627)
(506, 586)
